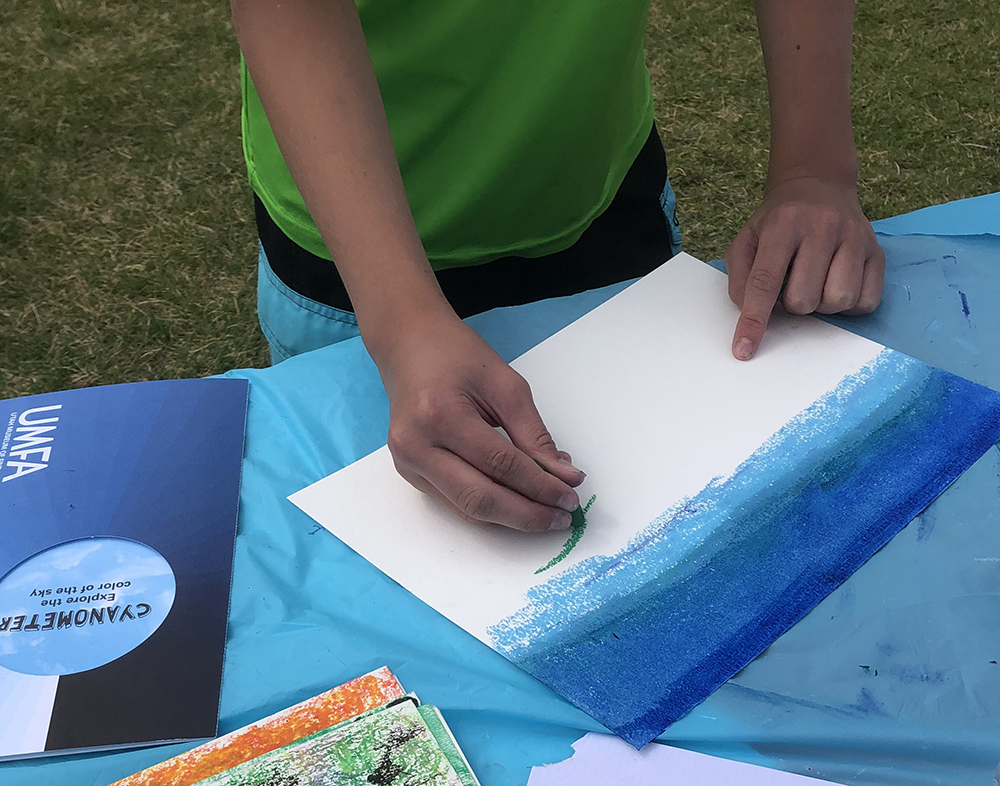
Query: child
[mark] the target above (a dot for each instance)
(511, 156)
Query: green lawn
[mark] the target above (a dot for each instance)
(127, 247)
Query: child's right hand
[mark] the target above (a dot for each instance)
(448, 391)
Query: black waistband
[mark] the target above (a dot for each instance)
(627, 240)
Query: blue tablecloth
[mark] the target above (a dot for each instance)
(893, 679)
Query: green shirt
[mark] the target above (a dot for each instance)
(514, 122)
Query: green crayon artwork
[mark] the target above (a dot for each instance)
(391, 746)
(576, 528)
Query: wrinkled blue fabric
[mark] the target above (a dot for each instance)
(891, 680)
(976, 216)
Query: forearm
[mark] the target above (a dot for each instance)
(807, 54)
(310, 66)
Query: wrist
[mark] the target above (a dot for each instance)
(403, 314)
(828, 155)
(842, 173)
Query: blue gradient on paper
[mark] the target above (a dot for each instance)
(637, 639)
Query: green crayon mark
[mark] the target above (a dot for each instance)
(576, 528)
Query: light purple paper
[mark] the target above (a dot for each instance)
(601, 759)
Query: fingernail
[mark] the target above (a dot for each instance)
(565, 463)
(569, 501)
(744, 349)
(561, 520)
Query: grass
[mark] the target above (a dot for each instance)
(926, 118)
(126, 237)
(127, 247)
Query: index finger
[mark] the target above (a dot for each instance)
(767, 275)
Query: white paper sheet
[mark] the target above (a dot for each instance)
(600, 759)
(26, 702)
(645, 394)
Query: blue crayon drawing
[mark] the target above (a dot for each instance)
(638, 638)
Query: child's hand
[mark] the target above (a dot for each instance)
(448, 390)
(810, 236)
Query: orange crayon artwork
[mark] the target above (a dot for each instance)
(320, 712)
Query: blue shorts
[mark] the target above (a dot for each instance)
(294, 324)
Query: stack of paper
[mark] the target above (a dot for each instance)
(365, 731)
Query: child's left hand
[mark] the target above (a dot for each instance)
(809, 236)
